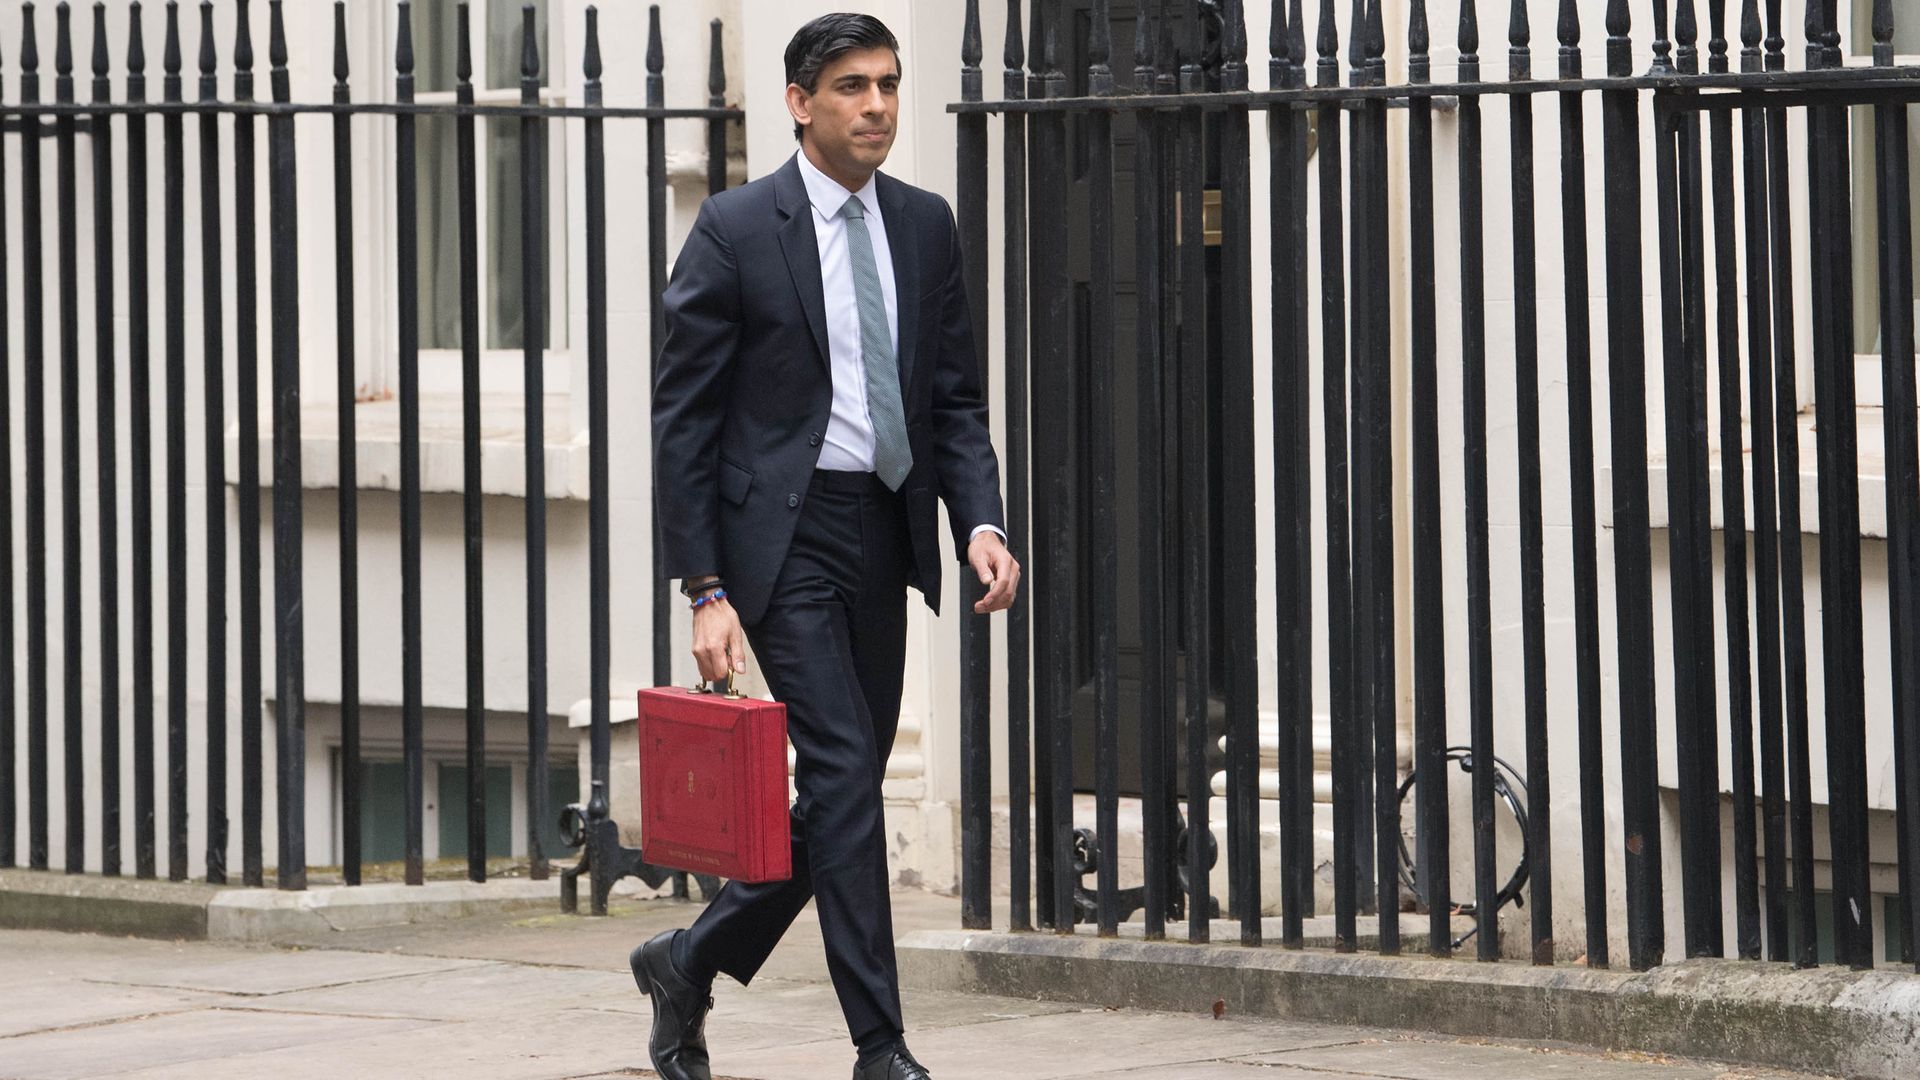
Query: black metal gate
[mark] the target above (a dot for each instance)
(1722, 166)
(96, 127)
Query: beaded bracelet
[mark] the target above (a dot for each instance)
(708, 598)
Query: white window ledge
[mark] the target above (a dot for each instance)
(442, 469)
(1872, 472)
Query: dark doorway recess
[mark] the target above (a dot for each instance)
(1129, 310)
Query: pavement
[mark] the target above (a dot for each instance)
(502, 997)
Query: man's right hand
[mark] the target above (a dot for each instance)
(719, 645)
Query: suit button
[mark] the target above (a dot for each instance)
(793, 501)
(813, 439)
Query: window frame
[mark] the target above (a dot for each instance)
(501, 370)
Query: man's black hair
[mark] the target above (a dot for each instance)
(828, 38)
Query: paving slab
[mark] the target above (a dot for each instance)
(539, 1045)
(473, 992)
(44, 1004)
(188, 1039)
(31, 952)
(254, 972)
(1077, 1043)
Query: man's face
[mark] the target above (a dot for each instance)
(852, 116)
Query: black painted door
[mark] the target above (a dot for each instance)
(1129, 309)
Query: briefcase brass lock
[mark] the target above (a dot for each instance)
(730, 693)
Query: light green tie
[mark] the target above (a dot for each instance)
(892, 457)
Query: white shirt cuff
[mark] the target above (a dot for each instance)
(994, 529)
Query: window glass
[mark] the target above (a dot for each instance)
(503, 262)
(504, 47)
(439, 232)
(508, 268)
(435, 36)
(1866, 180)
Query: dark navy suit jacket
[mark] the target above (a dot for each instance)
(744, 386)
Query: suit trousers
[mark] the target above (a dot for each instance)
(832, 645)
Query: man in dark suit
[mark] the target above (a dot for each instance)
(818, 390)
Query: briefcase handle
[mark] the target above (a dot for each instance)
(714, 688)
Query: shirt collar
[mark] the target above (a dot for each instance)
(828, 197)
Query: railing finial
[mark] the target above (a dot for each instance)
(1519, 32)
(1165, 52)
(1569, 27)
(1419, 43)
(1297, 37)
(656, 61)
(136, 43)
(1686, 36)
(656, 49)
(1662, 47)
(529, 43)
(1883, 32)
(1376, 44)
(1469, 39)
(1750, 31)
(1357, 40)
(1051, 51)
(463, 44)
(341, 69)
(1327, 41)
(403, 44)
(1036, 40)
(1276, 34)
(1620, 20)
(277, 52)
(242, 38)
(209, 60)
(1717, 34)
(1014, 57)
(62, 41)
(102, 63)
(1143, 31)
(970, 48)
(717, 66)
(170, 53)
(1233, 71)
(1100, 49)
(592, 66)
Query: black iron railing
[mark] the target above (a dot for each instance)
(1189, 107)
(98, 125)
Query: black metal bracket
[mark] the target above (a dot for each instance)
(605, 860)
(1086, 860)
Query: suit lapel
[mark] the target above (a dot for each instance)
(802, 249)
(903, 239)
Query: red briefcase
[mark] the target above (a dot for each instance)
(713, 783)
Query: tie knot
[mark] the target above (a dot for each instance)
(854, 209)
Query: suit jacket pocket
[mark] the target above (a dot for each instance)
(734, 482)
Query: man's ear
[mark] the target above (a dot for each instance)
(799, 104)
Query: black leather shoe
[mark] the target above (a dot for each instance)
(678, 1045)
(900, 1066)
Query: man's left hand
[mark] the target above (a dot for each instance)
(999, 571)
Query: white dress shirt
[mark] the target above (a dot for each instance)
(847, 445)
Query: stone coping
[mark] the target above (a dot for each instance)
(1828, 1020)
(194, 911)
